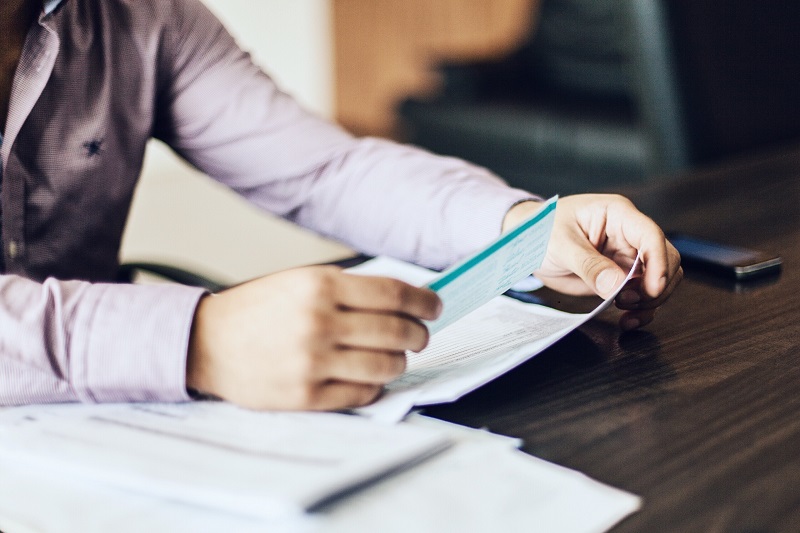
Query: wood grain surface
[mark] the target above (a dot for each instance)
(700, 412)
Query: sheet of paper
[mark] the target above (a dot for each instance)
(481, 484)
(490, 272)
(481, 346)
(213, 454)
(483, 488)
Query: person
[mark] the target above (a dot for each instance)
(84, 85)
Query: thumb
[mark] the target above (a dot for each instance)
(600, 273)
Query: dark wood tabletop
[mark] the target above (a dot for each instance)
(699, 413)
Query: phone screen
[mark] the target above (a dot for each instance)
(729, 261)
(713, 252)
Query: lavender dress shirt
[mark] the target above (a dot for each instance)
(96, 80)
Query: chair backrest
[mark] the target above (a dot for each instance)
(581, 45)
(658, 90)
(616, 49)
(709, 79)
(691, 81)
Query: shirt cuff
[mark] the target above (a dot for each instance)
(129, 343)
(482, 217)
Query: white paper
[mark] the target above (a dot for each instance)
(213, 454)
(493, 270)
(528, 284)
(480, 485)
(481, 346)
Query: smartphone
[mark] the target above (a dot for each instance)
(731, 262)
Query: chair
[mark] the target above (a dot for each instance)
(609, 92)
(128, 272)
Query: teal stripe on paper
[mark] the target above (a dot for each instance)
(468, 264)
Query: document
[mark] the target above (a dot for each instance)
(211, 454)
(490, 272)
(481, 484)
(476, 349)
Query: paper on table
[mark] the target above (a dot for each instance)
(493, 270)
(213, 454)
(491, 486)
(478, 348)
(483, 486)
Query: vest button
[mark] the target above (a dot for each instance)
(13, 249)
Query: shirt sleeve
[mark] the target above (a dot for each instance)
(225, 116)
(76, 341)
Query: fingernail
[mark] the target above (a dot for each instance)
(629, 297)
(606, 281)
(631, 323)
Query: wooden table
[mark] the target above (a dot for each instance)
(700, 412)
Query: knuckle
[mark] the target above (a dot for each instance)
(316, 325)
(320, 283)
(620, 199)
(592, 265)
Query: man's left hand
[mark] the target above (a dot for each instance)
(594, 243)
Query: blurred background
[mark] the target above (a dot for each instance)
(556, 96)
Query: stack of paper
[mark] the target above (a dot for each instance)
(213, 454)
(482, 483)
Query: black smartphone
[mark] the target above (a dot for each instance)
(732, 262)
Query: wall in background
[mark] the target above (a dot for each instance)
(182, 217)
(291, 39)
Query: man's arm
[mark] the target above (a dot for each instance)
(223, 114)
(76, 341)
(229, 118)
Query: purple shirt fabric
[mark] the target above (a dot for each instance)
(96, 80)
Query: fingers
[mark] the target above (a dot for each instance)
(605, 229)
(336, 395)
(658, 265)
(346, 378)
(660, 259)
(632, 297)
(387, 295)
(355, 365)
(379, 331)
(599, 273)
(567, 284)
(595, 239)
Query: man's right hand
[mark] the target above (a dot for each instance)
(310, 338)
